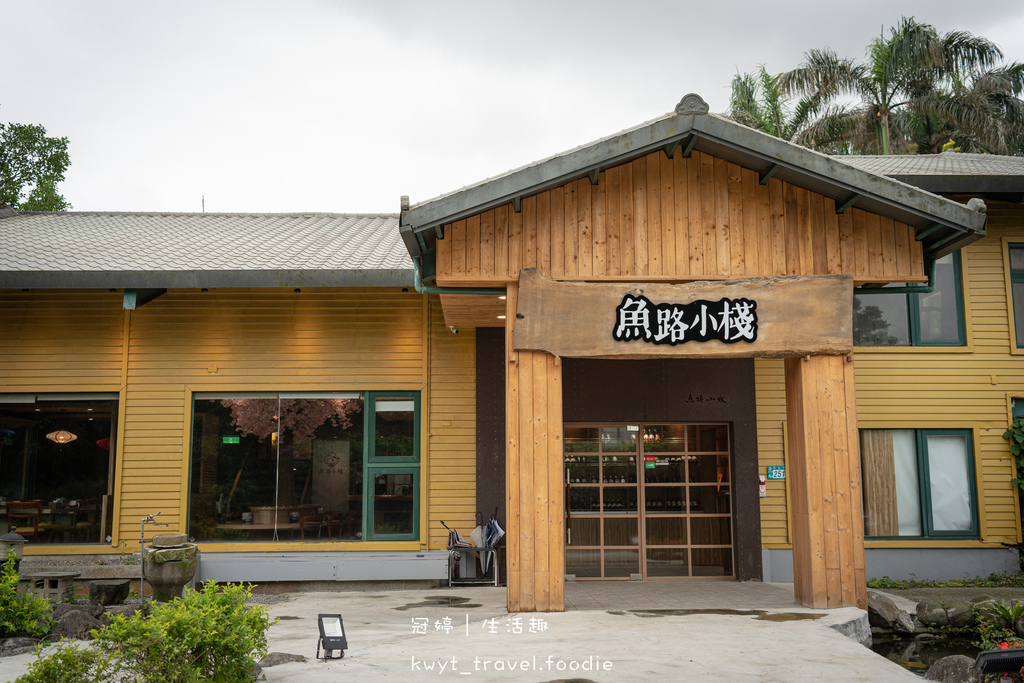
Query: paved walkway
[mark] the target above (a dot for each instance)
(613, 631)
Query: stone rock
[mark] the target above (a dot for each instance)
(161, 555)
(932, 614)
(275, 658)
(960, 615)
(168, 570)
(925, 637)
(172, 540)
(952, 669)
(884, 613)
(109, 592)
(983, 598)
(856, 629)
(63, 608)
(76, 624)
(17, 646)
(257, 672)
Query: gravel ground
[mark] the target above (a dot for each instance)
(948, 596)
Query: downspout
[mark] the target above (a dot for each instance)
(926, 288)
(480, 291)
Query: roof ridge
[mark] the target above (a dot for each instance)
(250, 214)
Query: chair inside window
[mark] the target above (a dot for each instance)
(27, 516)
(311, 523)
(86, 520)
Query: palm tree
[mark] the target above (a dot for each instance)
(914, 84)
(757, 101)
(982, 113)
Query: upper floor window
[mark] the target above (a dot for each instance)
(1017, 288)
(933, 319)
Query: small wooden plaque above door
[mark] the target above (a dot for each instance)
(769, 317)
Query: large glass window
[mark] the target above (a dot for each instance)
(1017, 290)
(918, 483)
(57, 466)
(934, 319)
(304, 467)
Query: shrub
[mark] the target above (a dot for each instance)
(69, 664)
(21, 614)
(209, 634)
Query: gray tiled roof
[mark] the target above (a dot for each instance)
(947, 163)
(82, 249)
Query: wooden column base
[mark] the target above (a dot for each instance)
(828, 530)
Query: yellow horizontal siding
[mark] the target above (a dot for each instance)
(60, 341)
(938, 388)
(249, 340)
(770, 389)
(452, 428)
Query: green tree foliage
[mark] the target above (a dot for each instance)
(916, 91)
(757, 101)
(205, 635)
(31, 166)
(21, 614)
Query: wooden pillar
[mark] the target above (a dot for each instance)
(828, 531)
(536, 514)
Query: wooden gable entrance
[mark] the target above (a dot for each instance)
(692, 197)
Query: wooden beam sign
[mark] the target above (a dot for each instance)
(768, 317)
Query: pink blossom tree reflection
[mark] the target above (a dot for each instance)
(299, 416)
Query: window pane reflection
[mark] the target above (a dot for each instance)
(57, 469)
(393, 510)
(880, 320)
(285, 469)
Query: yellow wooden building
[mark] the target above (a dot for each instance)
(663, 355)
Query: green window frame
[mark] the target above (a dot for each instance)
(908, 309)
(393, 468)
(927, 486)
(1016, 258)
(389, 494)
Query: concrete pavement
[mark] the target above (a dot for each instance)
(625, 634)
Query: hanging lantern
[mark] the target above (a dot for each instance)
(61, 436)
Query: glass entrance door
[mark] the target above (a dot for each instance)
(652, 500)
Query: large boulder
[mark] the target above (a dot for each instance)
(961, 615)
(63, 608)
(952, 669)
(109, 592)
(884, 613)
(17, 646)
(932, 614)
(76, 624)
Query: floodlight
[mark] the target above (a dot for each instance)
(1000, 661)
(332, 636)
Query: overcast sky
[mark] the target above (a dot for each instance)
(344, 106)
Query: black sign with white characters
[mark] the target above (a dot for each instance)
(727, 320)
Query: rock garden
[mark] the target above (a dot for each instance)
(208, 634)
(940, 636)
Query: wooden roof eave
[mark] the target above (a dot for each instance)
(692, 127)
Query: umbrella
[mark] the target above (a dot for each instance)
(455, 539)
(477, 535)
(491, 538)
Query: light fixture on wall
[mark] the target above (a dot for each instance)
(61, 436)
